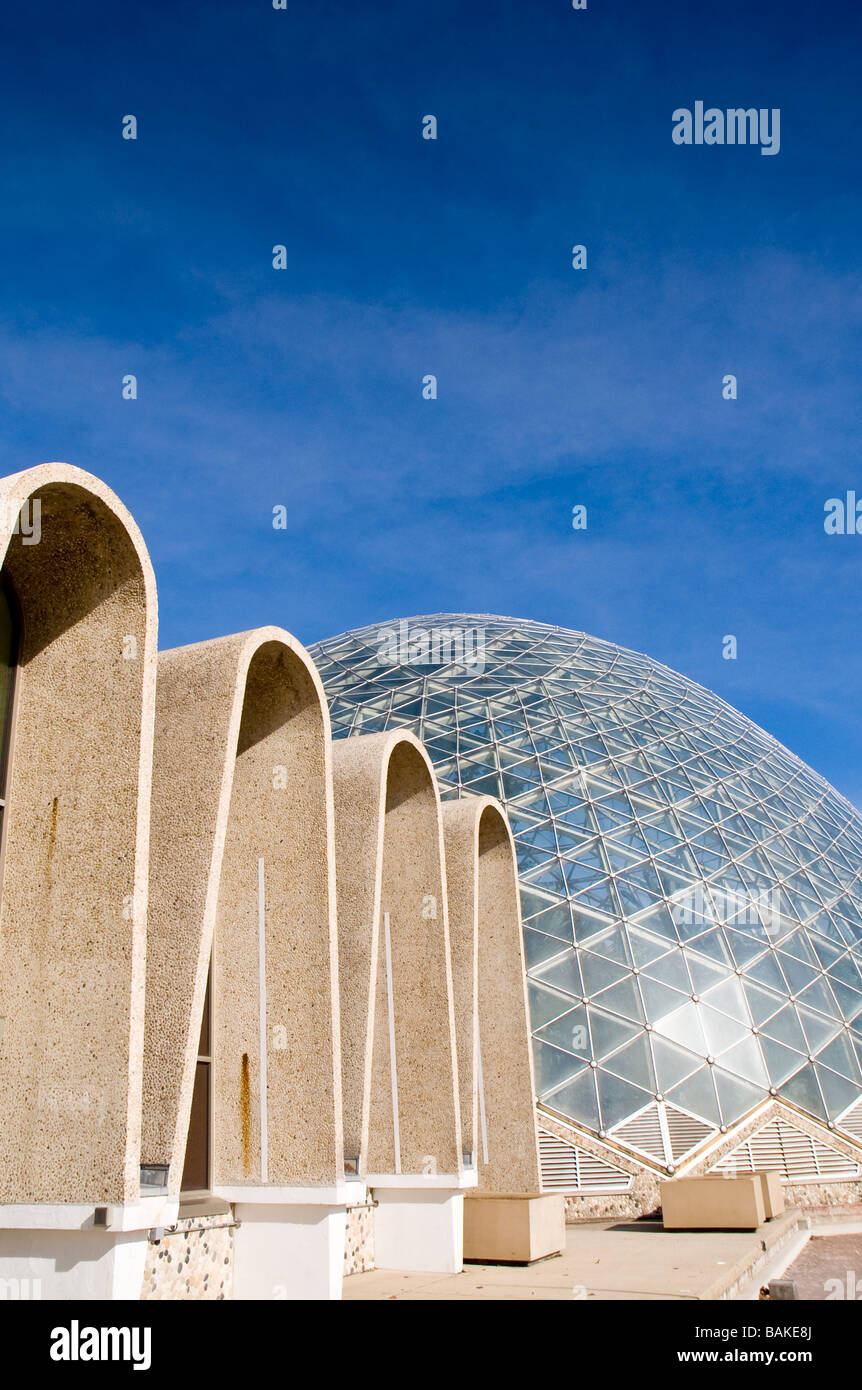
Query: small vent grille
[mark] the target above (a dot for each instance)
(643, 1133)
(566, 1168)
(685, 1132)
(797, 1156)
(852, 1121)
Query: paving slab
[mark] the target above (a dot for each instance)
(829, 1268)
(602, 1260)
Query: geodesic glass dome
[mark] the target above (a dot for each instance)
(691, 891)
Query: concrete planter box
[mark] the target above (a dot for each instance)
(513, 1227)
(713, 1203)
(773, 1192)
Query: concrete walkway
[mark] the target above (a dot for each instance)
(606, 1260)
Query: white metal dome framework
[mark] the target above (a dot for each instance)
(691, 891)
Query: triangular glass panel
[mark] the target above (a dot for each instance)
(797, 974)
(531, 857)
(612, 944)
(609, 1033)
(532, 903)
(545, 1004)
(721, 1032)
(763, 1004)
(549, 877)
(736, 1096)
(570, 841)
(697, 1094)
(485, 786)
(849, 1002)
(704, 973)
(569, 1032)
(632, 896)
(587, 921)
(599, 897)
(819, 996)
(847, 970)
(729, 999)
(745, 1060)
(712, 944)
(672, 1062)
(785, 1028)
(671, 971)
(840, 1056)
(659, 1000)
(618, 1099)
(818, 1030)
(836, 1090)
(658, 921)
(552, 1066)
(803, 1090)
(557, 921)
(683, 1027)
(539, 948)
(624, 999)
(745, 948)
(562, 974)
(827, 952)
(781, 1062)
(598, 973)
(620, 857)
(766, 972)
(578, 1101)
(645, 947)
(633, 1063)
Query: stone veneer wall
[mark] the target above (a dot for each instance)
(644, 1199)
(192, 1260)
(827, 1194)
(359, 1239)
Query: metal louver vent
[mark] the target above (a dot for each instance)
(851, 1123)
(566, 1168)
(796, 1155)
(663, 1133)
(685, 1132)
(643, 1133)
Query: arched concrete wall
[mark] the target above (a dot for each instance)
(490, 996)
(243, 772)
(389, 855)
(74, 890)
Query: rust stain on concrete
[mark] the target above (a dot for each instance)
(52, 833)
(245, 1113)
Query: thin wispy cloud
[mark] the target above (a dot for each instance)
(302, 388)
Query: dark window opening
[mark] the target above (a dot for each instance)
(196, 1172)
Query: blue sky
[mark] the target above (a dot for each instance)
(302, 387)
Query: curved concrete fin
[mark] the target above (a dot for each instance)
(74, 906)
(495, 1057)
(401, 1103)
(243, 824)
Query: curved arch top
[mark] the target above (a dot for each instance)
(18, 489)
(495, 1058)
(74, 892)
(401, 1108)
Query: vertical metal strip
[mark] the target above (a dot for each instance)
(261, 970)
(665, 1135)
(483, 1118)
(393, 1069)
